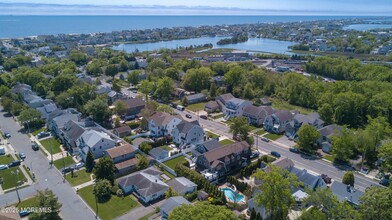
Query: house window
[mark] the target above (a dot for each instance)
(100, 147)
(93, 148)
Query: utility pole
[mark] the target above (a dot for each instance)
(16, 182)
(51, 155)
(62, 154)
(96, 205)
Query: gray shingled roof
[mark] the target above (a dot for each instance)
(180, 183)
(186, 126)
(284, 115)
(330, 130)
(196, 96)
(73, 130)
(172, 203)
(215, 155)
(346, 193)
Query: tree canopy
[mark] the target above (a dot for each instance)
(201, 210)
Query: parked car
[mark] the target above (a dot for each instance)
(22, 155)
(275, 154)
(294, 150)
(364, 170)
(7, 135)
(188, 116)
(78, 165)
(67, 170)
(254, 154)
(203, 117)
(3, 167)
(14, 163)
(326, 178)
(43, 134)
(24, 213)
(35, 146)
(385, 182)
(265, 139)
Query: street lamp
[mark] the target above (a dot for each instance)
(96, 205)
(51, 155)
(62, 154)
(16, 182)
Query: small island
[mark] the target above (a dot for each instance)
(233, 40)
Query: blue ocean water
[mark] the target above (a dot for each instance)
(22, 26)
(366, 27)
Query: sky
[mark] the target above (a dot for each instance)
(340, 7)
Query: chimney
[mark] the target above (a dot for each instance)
(156, 180)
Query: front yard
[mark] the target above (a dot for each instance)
(60, 163)
(111, 209)
(9, 175)
(273, 136)
(51, 143)
(226, 142)
(196, 107)
(172, 163)
(261, 132)
(165, 147)
(38, 131)
(79, 177)
(212, 135)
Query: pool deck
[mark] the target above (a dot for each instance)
(236, 191)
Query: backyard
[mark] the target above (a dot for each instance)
(284, 105)
(9, 175)
(79, 177)
(111, 209)
(273, 136)
(60, 163)
(226, 142)
(172, 163)
(51, 143)
(165, 147)
(196, 107)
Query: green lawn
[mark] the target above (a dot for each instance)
(226, 142)
(111, 209)
(273, 136)
(168, 174)
(284, 105)
(9, 178)
(38, 131)
(260, 132)
(218, 116)
(79, 177)
(51, 142)
(330, 158)
(31, 202)
(196, 107)
(6, 159)
(59, 164)
(165, 147)
(172, 163)
(212, 135)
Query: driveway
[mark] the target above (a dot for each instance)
(73, 207)
(141, 211)
(285, 141)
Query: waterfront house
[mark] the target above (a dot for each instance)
(257, 115)
(277, 122)
(225, 159)
(146, 184)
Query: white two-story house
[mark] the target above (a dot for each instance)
(95, 141)
(162, 124)
(235, 107)
(277, 122)
(187, 133)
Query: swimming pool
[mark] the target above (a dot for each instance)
(234, 197)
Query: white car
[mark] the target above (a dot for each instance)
(79, 165)
(3, 167)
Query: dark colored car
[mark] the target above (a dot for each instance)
(275, 154)
(254, 154)
(7, 135)
(67, 169)
(35, 147)
(326, 178)
(14, 163)
(265, 139)
(188, 116)
(203, 117)
(294, 150)
(22, 155)
(385, 182)
(24, 213)
(43, 134)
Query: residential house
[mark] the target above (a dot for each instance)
(196, 98)
(235, 107)
(21, 89)
(187, 133)
(211, 106)
(170, 204)
(283, 163)
(145, 183)
(308, 180)
(218, 80)
(256, 115)
(113, 96)
(182, 185)
(162, 124)
(70, 134)
(299, 120)
(346, 193)
(179, 93)
(96, 142)
(222, 99)
(46, 109)
(159, 153)
(123, 158)
(326, 133)
(205, 147)
(223, 160)
(56, 124)
(103, 89)
(258, 209)
(123, 131)
(265, 101)
(134, 107)
(277, 122)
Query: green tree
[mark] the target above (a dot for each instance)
(142, 163)
(213, 90)
(116, 86)
(120, 107)
(145, 88)
(172, 73)
(170, 193)
(197, 79)
(17, 108)
(166, 108)
(98, 109)
(348, 178)
(145, 147)
(307, 136)
(29, 116)
(78, 57)
(111, 70)
(133, 77)
(62, 83)
(105, 169)
(248, 91)
(313, 214)
(240, 128)
(343, 145)
(385, 153)
(89, 161)
(102, 189)
(201, 210)
(7, 104)
(326, 113)
(124, 66)
(164, 89)
(47, 199)
(275, 193)
(376, 203)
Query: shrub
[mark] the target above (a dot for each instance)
(114, 189)
(134, 124)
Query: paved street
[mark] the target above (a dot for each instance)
(315, 165)
(73, 206)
